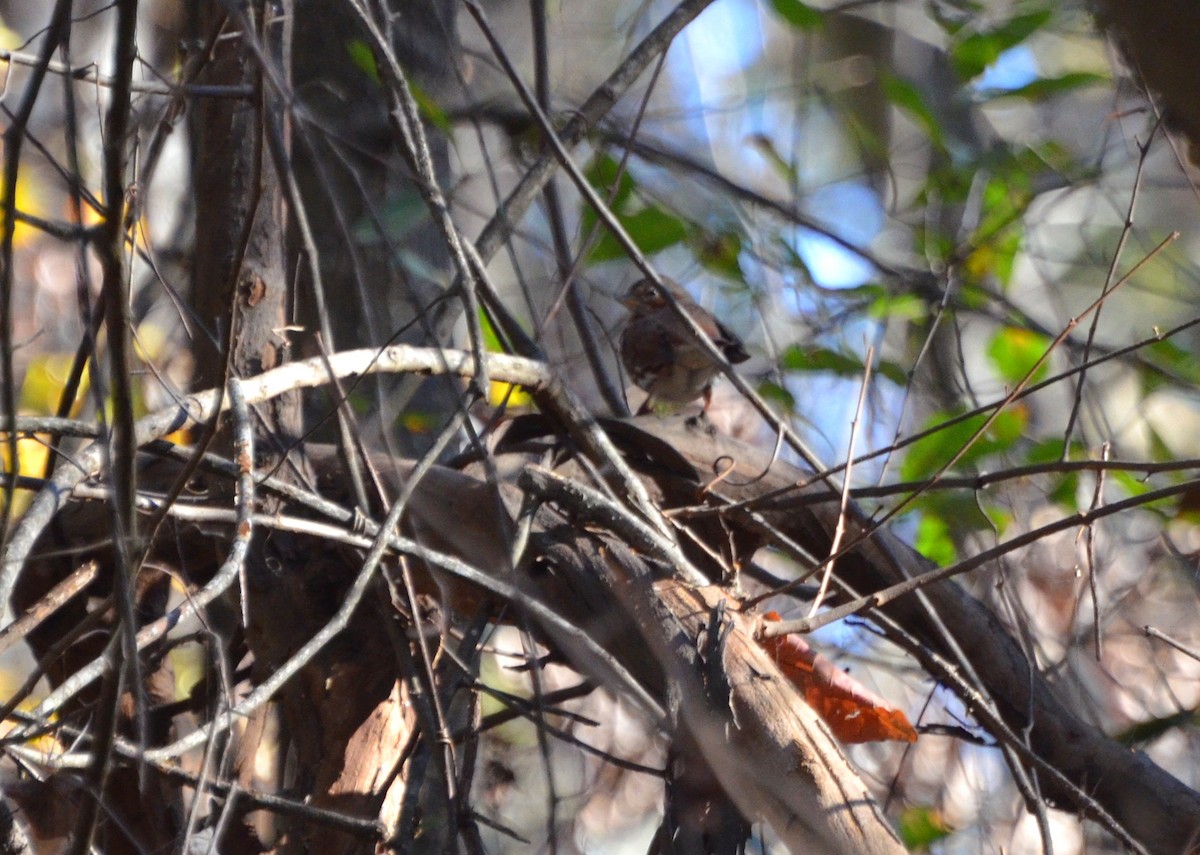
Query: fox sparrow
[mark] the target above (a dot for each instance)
(662, 354)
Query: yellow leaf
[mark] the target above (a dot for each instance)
(44, 380)
(28, 202)
(507, 394)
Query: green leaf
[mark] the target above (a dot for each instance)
(618, 188)
(1152, 729)
(1174, 360)
(929, 454)
(1003, 252)
(998, 237)
(1008, 427)
(1064, 491)
(971, 296)
(491, 341)
(774, 392)
(894, 372)
(1063, 488)
(721, 253)
(1000, 518)
(362, 58)
(868, 291)
(906, 307)
(1046, 451)
(402, 213)
(1045, 87)
(602, 174)
(945, 519)
(764, 145)
(908, 98)
(799, 15)
(797, 358)
(430, 111)
(1013, 352)
(933, 540)
(971, 56)
(651, 228)
(1006, 196)
(1133, 483)
(920, 827)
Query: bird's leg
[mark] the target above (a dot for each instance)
(701, 419)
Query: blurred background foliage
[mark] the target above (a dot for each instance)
(977, 194)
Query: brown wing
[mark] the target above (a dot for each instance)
(646, 351)
(729, 344)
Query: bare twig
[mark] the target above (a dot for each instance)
(54, 599)
(1126, 230)
(1090, 547)
(591, 505)
(1185, 649)
(120, 445)
(90, 73)
(840, 530)
(243, 447)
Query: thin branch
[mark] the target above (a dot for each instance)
(91, 74)
(120, 445)
(51, 602)
(983, 710)
(14, 137)
(243, 449)
(590, 505)
(843, 510)
(611, 393)
(439, 730)
(1090, 548)
(975, 483)
(1094, 306)
(1185, 649)
(266, 690)
(1126, 230)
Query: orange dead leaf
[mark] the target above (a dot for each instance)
(853, 713)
